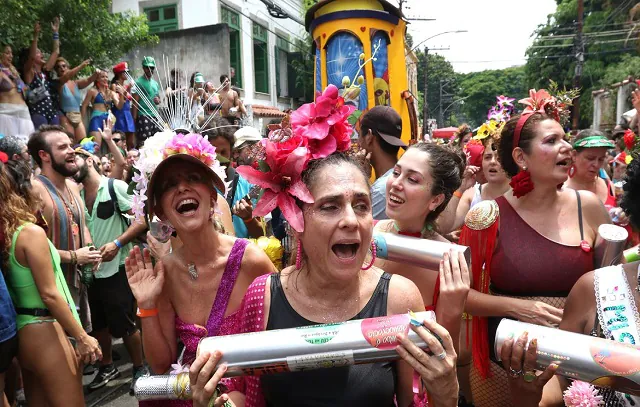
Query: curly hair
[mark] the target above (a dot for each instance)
(631, 199)
(14, 211)
(463, 130)
(505, 140)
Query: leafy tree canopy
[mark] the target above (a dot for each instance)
(552, 54)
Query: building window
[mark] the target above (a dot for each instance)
(232, 19)
(163, 18)
(260, 58)
(282, 68)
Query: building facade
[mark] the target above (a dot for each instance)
(261, 47)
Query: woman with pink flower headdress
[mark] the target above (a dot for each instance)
(531, 245)
(324, 194)
(195, 291)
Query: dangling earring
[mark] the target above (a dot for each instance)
(374, 253)
(299, 256)
(521, 183)
(572, 171)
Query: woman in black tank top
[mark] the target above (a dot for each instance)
(329, 284)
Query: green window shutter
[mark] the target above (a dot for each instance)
(276, 53)
(235, 56)
(232, 19)
(163, 18)
(260, 58)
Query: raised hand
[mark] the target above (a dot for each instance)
(469, 177)
(146, 281)
(106, 131)
(55, 24)
(36, 29)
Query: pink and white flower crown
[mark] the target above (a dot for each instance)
(161, 146)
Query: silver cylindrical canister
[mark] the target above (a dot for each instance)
(163, 387)
(418, 252)
(610, 244)
(586, 358)
(296, 349)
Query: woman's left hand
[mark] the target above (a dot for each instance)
(204, 378)
(526, 386)
(55, 24)
(438, 371)
(454, 283)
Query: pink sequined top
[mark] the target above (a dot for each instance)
(217, 324)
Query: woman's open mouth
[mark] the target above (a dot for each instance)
(396, 199)
(564, 163)
(187, 206)
(345, 251)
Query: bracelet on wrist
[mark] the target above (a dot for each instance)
(117, 243)
(74, 257)
(457, 193)
(247, 220)
(145, 313)
(56, 36)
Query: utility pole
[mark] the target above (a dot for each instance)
(425, 105)
(444, 98)
(579, 49)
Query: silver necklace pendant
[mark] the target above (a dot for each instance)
(192, 271)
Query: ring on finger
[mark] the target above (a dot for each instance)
(529, 376)
(442, 355)
(515, 373)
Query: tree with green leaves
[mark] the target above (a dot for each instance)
(553, 54)
(88, 29)
(481, 88)
(438, 69)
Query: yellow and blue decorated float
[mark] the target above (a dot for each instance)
(347, 33)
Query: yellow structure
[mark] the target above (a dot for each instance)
(342, 30)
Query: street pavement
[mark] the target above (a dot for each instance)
(116, 392)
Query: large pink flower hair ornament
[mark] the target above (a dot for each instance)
(282, 180)
(555, 102)
(314, 131)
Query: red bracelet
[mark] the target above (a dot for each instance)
(247, 220)
(457, 193)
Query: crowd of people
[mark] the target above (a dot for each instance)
(106, 211)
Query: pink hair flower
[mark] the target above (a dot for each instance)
(537, 101)
(282, 184)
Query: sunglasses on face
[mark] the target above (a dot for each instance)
(117, 140)
(61, 66)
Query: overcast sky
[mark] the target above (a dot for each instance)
(499, 31)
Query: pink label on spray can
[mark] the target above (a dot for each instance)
(382, 333)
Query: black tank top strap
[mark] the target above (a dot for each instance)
(580, 216)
